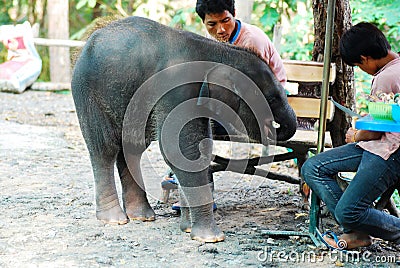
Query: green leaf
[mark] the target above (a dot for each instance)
(81, 4)
(270, 17)
(92, 3)
(292, 4)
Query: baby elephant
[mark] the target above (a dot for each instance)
(136, 81)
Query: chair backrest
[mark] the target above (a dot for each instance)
(306, 107)
(307, 71)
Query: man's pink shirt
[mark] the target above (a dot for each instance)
(255, 39)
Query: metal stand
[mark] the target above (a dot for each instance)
(313, 231)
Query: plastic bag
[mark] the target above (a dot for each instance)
(23, 65)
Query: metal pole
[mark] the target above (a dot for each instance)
(325, 78)
(315, 201)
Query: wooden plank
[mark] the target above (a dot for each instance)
(309, 107)
(308, 138)
(49, 86)
(58, 42)
(307, 71)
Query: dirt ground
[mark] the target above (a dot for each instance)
(48, 213)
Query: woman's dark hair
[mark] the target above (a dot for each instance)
(363, 39)
(204, 7)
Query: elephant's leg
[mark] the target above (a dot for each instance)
(189, 156)
(186, 222)
(103, 143)
(108, 208)
(199, 200)
(134, 197)
(205, 229)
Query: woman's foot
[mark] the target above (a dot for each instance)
(356, 239)
(350, 240)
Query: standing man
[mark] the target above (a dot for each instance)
(219, 18)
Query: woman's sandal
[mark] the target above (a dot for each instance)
(340, 243)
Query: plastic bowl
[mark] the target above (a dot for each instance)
(396, 112)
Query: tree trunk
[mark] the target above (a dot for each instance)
(244, 9)
(58, 28)
(343, 89)
(96, 11)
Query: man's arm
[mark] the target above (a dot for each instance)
(354, 135)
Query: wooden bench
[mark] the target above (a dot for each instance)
(302, 141)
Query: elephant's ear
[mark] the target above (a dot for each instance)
(218, 85)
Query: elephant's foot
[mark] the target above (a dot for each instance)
(140, 211)
(113, 215)
(186, 222)
(207, 233)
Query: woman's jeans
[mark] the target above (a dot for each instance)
(353, 208)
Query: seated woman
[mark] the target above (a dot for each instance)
(375, 156)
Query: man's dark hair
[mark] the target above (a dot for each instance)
(204, 7)
(363, 39)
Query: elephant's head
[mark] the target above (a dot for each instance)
(257, 108)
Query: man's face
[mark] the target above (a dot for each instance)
(220, 25)
(368, 65)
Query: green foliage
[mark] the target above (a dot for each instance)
(298, 43)
(4, 15)
(44, 55)
(187, 19)
(89, 3)
(385, 17)
(396, 197)
(270, 17)
(362, 81)
(265, 14)
(3, 53)
(383, 13)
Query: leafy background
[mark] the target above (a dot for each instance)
(294, 16)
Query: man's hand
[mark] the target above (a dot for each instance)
(354, 135)
(351, 135)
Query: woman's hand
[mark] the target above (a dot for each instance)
(351, 135)
(355, 135)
